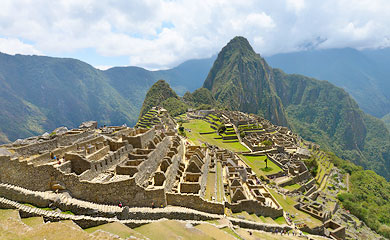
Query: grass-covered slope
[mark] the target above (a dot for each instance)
(368, 197)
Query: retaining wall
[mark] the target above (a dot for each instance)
(195, 202)
(252, 206)
(41, 177)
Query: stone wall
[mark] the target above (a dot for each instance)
(259, 226)
(60, 152)
(205, 171)
(68, 139)
(195, 202)
(154, 159)
(36, 148)
(253, 206)
(172, 169)
(296, 179)
(275, 161)
(49, 145)
(141, 140)
(41, 177)
(99, 153)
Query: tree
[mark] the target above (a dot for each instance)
(242, 134)
(266, 162)
(221, 128)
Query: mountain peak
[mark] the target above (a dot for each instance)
(240, 44)
(239, 79)
(158, 93)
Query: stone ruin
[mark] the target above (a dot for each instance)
(151, 165)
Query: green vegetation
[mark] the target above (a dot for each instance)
(257, 164)
(312, 164)
(197, 126)
(157, 94)
(219, 182)
(369, 200)
(288, 205)
(292, 187)
(386, 120)
(210, 187)
(200, 98)
(214, 232)
(229, 231)
(170, 229)
(174, 106)
(116, 228)
(317, 110)
(266, 143)
(33, 221)
(221, 129)
(368, 196)
(238, 77)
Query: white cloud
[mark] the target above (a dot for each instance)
(103, 67)
(295, 5)
(160, 34)
(15, 46)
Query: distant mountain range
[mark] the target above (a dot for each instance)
(38, 93)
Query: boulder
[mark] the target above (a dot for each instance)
(89, 125)
(45, 136)
(61, 130)
(4, 152)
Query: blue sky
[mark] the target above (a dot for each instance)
(161, 34)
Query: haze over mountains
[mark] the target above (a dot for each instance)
(41, 93)
(363, 74)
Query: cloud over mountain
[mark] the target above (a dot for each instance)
(161, 34)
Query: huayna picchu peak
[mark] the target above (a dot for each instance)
(241, 80)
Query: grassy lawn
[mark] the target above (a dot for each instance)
(292, 187)
(170, 229)
(260, 219)
(214, 232)
(280, 220)
(229, 231)
(288, 206)
(116, 228)
(33, 221)
(198, 126)
(8, 213)
(258, 165)
(219, 183)
(210, 186)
